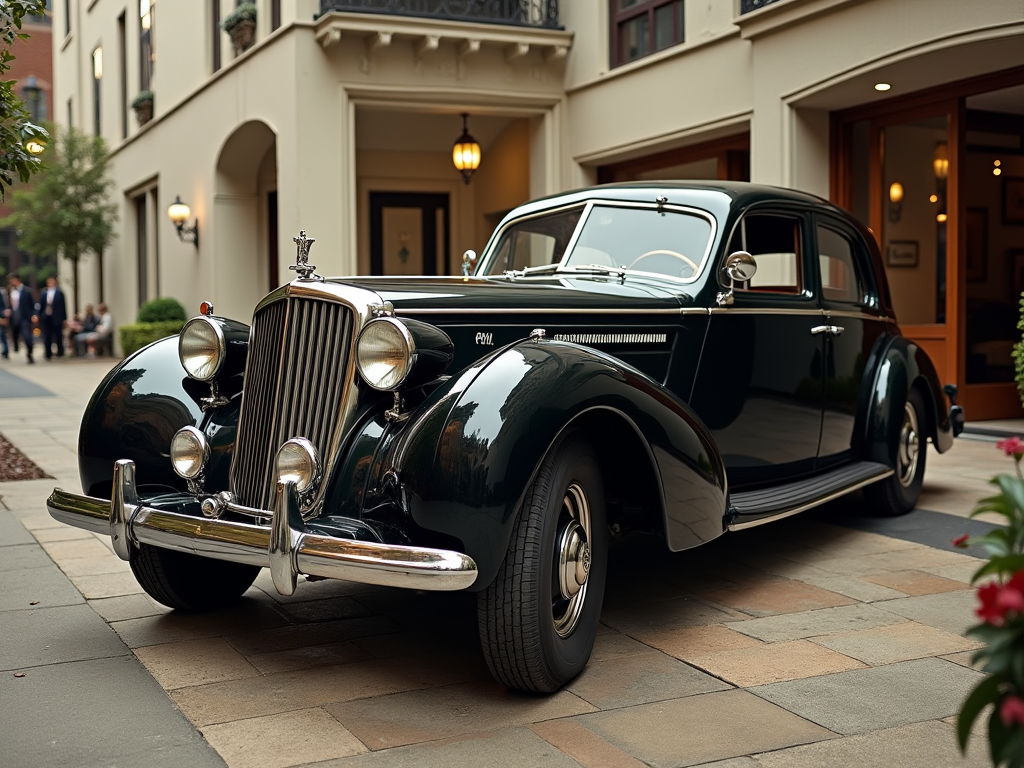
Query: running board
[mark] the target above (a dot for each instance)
(750, 508)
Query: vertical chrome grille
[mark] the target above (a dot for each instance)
(294, 380)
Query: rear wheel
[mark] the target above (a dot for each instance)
(189, 582)
(539, 617)
(898, 493)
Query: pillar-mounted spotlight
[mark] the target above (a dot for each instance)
(466, 152)
(179, 213)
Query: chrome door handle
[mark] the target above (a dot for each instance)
(835, 330)
(820, 329)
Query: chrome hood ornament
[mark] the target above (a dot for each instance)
(305, 270)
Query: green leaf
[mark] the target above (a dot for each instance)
(984, 693)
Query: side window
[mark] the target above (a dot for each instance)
(839, 278)
(774, 242)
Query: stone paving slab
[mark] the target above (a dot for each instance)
(877, 697)
(44, 636)
(699, 729)
(96, 713)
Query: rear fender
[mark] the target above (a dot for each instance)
(902, 364)
(463, 461)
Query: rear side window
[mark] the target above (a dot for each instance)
(839, 278)
(774, 242)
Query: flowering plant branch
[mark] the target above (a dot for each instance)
(1002, 620)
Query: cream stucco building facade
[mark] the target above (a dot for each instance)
(340, 120)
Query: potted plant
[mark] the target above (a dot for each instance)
(240, 24)
(143, 106)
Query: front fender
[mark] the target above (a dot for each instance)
(136, 410)
(465, 459)
(902, 364)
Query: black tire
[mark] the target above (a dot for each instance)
(533, 637)
(188, 582)
(898, 493)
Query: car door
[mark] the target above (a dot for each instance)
(855, 323)
(759, 385)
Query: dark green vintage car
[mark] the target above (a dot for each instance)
(682, 359)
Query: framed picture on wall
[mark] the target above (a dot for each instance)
(901, 253)
(977, 245)
(1013, 200)
(1017, 278)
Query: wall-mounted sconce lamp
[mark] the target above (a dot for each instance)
(179, 213)
(466, 152)
(895, 202)
(940, 161)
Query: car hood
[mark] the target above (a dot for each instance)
(440, 296)
(637, 321)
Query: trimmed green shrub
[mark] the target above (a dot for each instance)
(161, 310)
(244, 12)
(135, 337)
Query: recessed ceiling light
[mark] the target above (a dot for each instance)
(882, 86)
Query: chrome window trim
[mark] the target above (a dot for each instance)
(817, 312)
(859, 315)
(363, 304)
(588, 207)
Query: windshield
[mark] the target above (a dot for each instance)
(535, 242)
(665, 242)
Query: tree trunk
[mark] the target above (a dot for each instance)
(74, 261)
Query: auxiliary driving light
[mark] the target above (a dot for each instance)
(189, 452)
(297, 460)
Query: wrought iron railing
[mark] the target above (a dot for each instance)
(746, 6)
(522, 13)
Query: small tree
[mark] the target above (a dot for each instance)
(66, 210)
(15, 127)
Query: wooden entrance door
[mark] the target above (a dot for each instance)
(409, 233)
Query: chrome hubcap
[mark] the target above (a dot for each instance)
(909, 447)
(572, 561)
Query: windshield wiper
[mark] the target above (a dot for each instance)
(512, 274)
(597, 269)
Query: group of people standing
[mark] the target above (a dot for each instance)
(20, 312)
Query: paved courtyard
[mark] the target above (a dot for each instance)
(830, 638)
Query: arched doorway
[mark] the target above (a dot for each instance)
(245, 219)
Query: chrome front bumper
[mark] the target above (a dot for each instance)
(285, 547)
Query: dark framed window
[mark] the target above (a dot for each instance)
(67, 17)
(122, 52)
(642, 27)
(215, 36)
(97, 79)
(275, 14)
(147, 56)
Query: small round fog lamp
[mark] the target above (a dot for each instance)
(297, 460)
(189, 452)
(202, 348)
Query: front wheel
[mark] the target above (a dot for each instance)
(188, 582)
(539, 617)
(898, 493)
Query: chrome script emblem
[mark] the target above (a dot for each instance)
(306, 270)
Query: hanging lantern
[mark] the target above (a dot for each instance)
(466, 152)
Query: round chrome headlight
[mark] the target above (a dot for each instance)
(189, 452)
(384, 353)
(297, 460)
(202, 348)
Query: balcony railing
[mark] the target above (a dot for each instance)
(746, 6)
(520, 13)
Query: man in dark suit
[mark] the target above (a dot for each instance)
(53, 316)
(23, 312)
(5, 321)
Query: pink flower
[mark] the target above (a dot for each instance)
(1012, 446)
(961, 541)
(1011, 711)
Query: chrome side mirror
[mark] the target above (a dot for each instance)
(739, 267)
(468, 262)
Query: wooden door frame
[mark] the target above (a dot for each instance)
(950, 99)
(729, 151)
(423, 200)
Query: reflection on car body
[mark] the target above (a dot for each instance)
(680, 359)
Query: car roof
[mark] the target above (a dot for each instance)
(696, 193)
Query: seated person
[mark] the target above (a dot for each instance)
(80, 325)
(104, 329)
